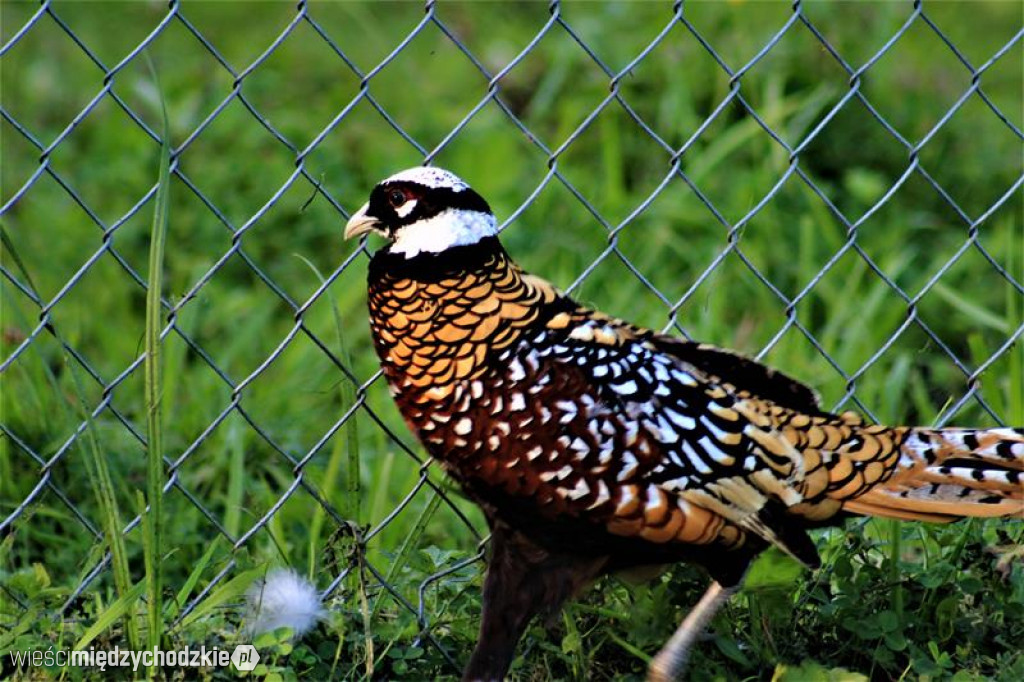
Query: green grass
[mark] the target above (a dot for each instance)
(892, 601)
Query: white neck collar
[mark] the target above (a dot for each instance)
(454, 227)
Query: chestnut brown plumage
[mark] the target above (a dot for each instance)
(594, 446)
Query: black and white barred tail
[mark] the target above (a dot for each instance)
(946, 474)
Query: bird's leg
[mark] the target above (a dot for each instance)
(671, 660)
(522, 580)
(506, 612)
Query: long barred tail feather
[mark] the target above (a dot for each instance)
(1003, 447)
(946, 474)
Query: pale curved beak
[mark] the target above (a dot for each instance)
(361, 223)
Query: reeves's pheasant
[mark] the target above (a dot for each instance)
(593, 445)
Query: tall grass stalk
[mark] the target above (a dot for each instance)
(153, 525)
(350, 507)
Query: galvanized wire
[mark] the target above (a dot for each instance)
(559, 21)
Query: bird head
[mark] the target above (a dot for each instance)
(424, 209)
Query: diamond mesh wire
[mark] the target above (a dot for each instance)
(63, 325)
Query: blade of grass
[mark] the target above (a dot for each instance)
(364, 607)
(235, 441)
(895, 550)
(153, 524)
(973, 311)
(992, 391)
(572, 644)
(403, 552)
(174, 607)
(628, 647)
(103, 486)
(357, 557)
(1015, 316)
(121, 608)
(385, 463)
(740, 134)
(147, 551)
(231, 590)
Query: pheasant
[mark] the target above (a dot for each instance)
(595, 446)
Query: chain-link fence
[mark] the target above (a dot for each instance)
(781, 177)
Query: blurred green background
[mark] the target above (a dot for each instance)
(247, 109)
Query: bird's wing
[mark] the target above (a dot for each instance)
(700, 424)
(742, 373)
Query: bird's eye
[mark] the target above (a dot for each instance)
(396, 197)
